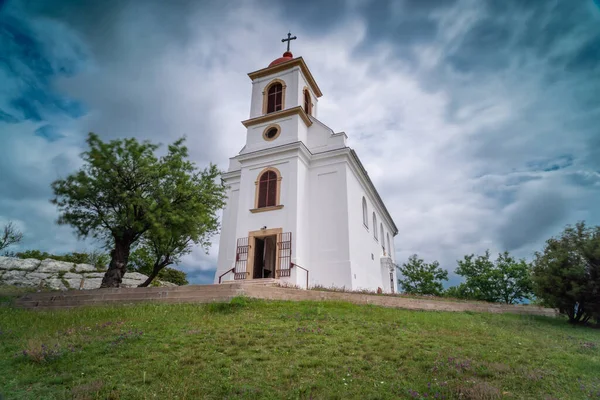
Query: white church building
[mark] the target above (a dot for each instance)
(301, 207)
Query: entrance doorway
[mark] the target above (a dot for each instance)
(265, 257)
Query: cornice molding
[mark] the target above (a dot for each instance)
(296, 62)
(298, 110)
(346, 152)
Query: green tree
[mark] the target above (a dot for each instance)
(155, 253)
(505, 280)
(420, 277)
(124, 191)
(566, 274)
(143, 260)
(173, 275)
(513, 278)
(10, 235)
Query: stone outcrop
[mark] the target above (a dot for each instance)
(59, 275)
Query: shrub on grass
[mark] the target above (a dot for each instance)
(40, 352)
(234, 305)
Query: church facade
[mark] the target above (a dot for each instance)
(301, 207)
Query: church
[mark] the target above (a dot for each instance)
(301, 208)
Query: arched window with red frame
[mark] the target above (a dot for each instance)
(275, 98)
(267, 189)
(307, 102)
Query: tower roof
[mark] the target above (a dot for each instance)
(287, 56)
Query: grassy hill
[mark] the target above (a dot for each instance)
(250, 349)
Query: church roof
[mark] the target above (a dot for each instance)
(287, 56)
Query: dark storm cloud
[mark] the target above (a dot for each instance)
(402, 24)
(318, 16)
(29, 66)
(539, 212)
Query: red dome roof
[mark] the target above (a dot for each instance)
(287, 56)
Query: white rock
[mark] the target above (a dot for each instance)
(94, 275)
(55, 284)
(85, 268)
(28, 264)
(71, 275)
(49, 265)
(93, 283)
(16, 278)
(34, 278)
(135, 275)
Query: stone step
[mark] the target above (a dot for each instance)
(232, 292)
(121, 291)
(253, 282)
(262, 289)
(92, 302)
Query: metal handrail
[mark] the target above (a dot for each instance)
(225, 273)
(296, 265)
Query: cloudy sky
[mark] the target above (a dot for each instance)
(478, 121)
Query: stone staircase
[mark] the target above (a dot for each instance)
(180, 294)
(266, 289)
(253, 282)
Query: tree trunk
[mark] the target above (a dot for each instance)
(154, 274)
(118, 263)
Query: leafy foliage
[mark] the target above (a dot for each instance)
(566, 274)
(143, 260)
(422, 278)
(504, 280)
(173, 275)
(10, 235)
(124, 191)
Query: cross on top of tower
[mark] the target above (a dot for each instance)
(288, 40)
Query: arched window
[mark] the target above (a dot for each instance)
(267, 189)
(365, 213)
(374, 226)
(307, 102)
(382, 237)
(275, 97)
(389, 248)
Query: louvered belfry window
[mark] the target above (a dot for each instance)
(307, 102)
(267, 189)
(275, 98)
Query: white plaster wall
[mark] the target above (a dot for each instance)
(329, 244)
(365, 250)
(227, 239)
(283, 218)
(290, 77)
(293, 129)
(302, 239)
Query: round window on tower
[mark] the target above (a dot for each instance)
(271, 132)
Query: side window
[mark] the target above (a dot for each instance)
(375, 226)
(365, 213)
(307, 102)
(389, 248)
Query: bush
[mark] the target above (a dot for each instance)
(566, 274)
(422, 278)
(504, 280)
(173, 275)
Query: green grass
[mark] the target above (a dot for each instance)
(251, 349)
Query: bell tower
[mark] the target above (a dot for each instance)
(284, 98)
